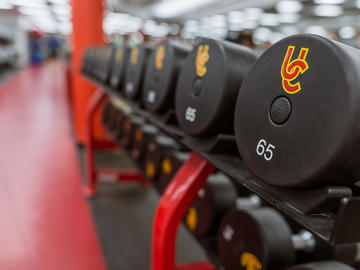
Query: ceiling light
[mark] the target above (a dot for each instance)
(269, 19)
(316, 30)
(35, 11)
(327, 10)
(289, 6)
(289, 17)
(329, 2)
(5, 4)
(27, 3)
(347, 32)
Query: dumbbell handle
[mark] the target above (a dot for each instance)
(247, 203)
(303, 241)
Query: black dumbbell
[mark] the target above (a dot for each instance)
(128, 134)
(325, 265)
(170, 164)
(161, 75)
(213, 200)
(159, 147)
(297, 113)
(142, 137)
(106, 64)
(119, 67)
(208, 85)
(259, 238)
(135, 70)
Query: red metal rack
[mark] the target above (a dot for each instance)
(172, 207)
(92, 144)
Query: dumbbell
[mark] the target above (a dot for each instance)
(119, 68)
(261, 236)
(106, 64)
(161, 75)
(157, 148)
(208, 85)
(170, 164)
(129, 126)
(213, 200)
(325, 265)
(135, 70)
(142, 137)
(297, 114)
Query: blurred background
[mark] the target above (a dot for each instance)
(36, 30)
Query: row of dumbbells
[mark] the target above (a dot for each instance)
(246, 233)
(294, 110)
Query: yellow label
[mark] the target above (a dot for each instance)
(138, 135)
(290, 70)
(166, 166)
(201, 58)
(119, 54)
(160, 54)
(134, 56)
(250, 262)
(192, 218)
(150, 169)
(126, 126)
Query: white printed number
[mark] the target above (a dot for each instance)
(151, 96)
(264, 149)
(190, 114)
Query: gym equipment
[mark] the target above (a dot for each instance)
(297, 114)
(119, 67)
(260, 237)
(161, 75)
(170, 164)
(135, 70)
(208, 85)
(142, 136)
(106, 63)
(129, 126)
(158, 148)
(211, 203)
(326, 265)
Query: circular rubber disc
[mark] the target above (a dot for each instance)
(255, 239)
(201, 88)
(293, 111)
(161, 75)
(119, 67)
(135, 70)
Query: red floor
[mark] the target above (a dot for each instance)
(45, 224)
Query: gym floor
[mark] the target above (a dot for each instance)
(46, 222)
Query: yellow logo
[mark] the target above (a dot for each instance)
(138, 135)
(191, 218)
(150, 169)
(119, 54)
(290, 70)
(201, 58)
(160, 54)
(134, 56)
(250, 262)
(166, 166)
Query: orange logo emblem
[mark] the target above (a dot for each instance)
(290, 70)
(134, 56)
(160, 54)
(250, 262)
(201, 58)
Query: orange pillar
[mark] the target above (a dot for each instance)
(87, 17)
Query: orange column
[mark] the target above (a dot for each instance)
(87, 17)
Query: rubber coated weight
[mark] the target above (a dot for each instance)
(326, 265)
(159, 147)
(119, 67)
(208, 85)
(170, 164)
(216, 198)
(129, 128)
(135, 70)
(142, 137)
(297, 113)
(106, 64)
(161, 75)
(255, 239)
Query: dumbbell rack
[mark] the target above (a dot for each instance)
(329, 212)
